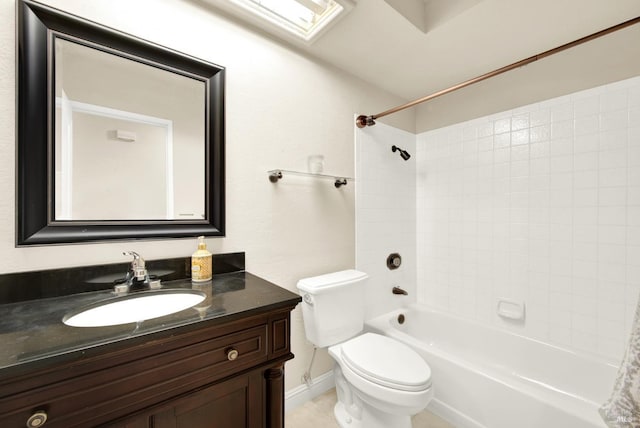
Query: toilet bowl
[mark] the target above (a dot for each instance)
(380, 382)
(390, 382)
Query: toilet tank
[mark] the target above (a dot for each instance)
(333, 306)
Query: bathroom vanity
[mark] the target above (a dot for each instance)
(218, 364)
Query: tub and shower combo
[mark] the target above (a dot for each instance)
(489, 378)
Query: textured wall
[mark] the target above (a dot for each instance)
(281, 107)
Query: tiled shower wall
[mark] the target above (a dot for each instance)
(541, 205)
(385, 215)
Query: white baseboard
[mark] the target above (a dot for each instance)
(301, 394)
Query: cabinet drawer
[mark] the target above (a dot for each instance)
(96, 397)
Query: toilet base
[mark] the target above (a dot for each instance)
(370, 419)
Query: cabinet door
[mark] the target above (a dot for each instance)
(235, 403)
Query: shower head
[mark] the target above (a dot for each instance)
(405, 154)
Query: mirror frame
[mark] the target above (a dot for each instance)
(38, 27)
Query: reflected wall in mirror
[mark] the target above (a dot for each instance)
(118, 138)
(160, 129)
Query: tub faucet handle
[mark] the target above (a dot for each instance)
(398, 290)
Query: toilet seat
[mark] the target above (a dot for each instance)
(386, 362)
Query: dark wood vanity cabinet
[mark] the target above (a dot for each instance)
(216, 375)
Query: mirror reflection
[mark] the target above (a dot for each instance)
(129, 138)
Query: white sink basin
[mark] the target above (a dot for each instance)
(134, 307)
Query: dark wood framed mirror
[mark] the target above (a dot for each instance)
(117, 137)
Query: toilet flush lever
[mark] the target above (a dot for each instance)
(308, 299)
(398, 290)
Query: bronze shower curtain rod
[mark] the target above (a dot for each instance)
(363, 121)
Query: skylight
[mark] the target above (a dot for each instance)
(302, 18)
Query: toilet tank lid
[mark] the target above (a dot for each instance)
(321, 283)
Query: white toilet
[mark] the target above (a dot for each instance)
(380, 382)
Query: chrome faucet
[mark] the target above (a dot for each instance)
(398, 290)
(137, 277)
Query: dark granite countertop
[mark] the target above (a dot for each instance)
(32, 334)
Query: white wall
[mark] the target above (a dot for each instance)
(281, 106)
(385, 215)
(540, 204)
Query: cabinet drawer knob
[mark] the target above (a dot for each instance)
(232, 354)
(37, 419)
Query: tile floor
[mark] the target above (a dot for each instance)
(318, 413)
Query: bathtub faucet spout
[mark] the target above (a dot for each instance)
(398, 290)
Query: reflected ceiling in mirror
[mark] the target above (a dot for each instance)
(118, 138)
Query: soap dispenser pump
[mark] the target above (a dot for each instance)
(201, 270)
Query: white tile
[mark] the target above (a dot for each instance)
(633, 176)
(561, 112)
(583, 322)
(612, 215)
(585, 179)
(633, 155)
(585, 161)
(560, 303)
(519, 152)
(584, 341)
(485, 129)
(560, 197)
(520, 137)
(586, 143)
(485, 143)
(613, 139)
(585, 287)
(584, 269)
(561, 164)
(585, 215)
(634, 96)
(612, 177)
(519, 168)
(501, 155)
(612, 196)
(613, 100)
(585, 197)
(612, 234)
(501, 126)
(613, 158)
(540, 117)
(539, 133)
(561, 130)
(584, 251)
(501, 140)
(469, 132)
(585, 231)
(633, 255)
(611, 272)
(586, 106)
(610, 311)
(612, 254)
(587, 125)
(561, 146)
(614, 120)
(634, 117)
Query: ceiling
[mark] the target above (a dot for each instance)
(378, 44)
(412, 48)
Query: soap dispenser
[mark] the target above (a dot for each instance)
(201, 263)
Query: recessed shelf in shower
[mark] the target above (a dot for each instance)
(277, 174)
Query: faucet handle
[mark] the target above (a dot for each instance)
(137, 265)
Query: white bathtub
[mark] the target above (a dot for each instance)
(485, 377)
